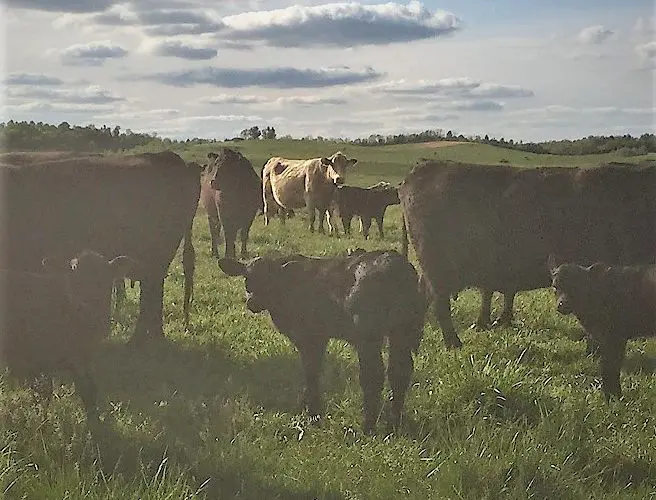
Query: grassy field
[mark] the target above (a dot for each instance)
(215, 412)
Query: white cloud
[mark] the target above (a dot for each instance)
(645, 26)
(182, 50)
(647, 54)
(298, 100)
(340, 25)
(593, 35)
(450, 87)
(90, 54)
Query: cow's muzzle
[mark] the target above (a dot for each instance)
(562, 306)
(253, 304)
(339, 181)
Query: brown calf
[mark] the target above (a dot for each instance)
(54, 321)
(361, 298)
(614, 304)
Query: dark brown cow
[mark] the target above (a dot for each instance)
(232, 194)
(138, 205)
(367, 203)
(53, 321)
(614, 304)
(494, 226)
(361, 298)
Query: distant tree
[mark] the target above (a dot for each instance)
(269, 133)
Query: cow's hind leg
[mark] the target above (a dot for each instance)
(443, 314)
(372, 377)
(399, 373)
(366, 225)
(379, 223)
(506, 318)
(149, 324)
(215, 235)
(312, 353)
(483, 320)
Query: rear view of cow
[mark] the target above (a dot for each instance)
(361, 298)
(614, 304)
(289, 184)
(232, 194)
(139, 205)
(52, 322)
(367, 203)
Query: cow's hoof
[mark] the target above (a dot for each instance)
(454, 343)
(503, 323)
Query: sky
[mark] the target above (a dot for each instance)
(522, 69)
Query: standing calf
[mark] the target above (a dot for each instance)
(614, 304)
(368, 203)
(54, 321)
(361, 298)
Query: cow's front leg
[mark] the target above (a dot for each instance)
(372, 378)
(612, 356)
(312, 352)
(332, 223)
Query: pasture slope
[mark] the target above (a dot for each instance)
(214, 413)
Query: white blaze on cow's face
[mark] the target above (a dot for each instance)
(337, 166)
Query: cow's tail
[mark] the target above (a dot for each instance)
(404, 235)
(189, 266)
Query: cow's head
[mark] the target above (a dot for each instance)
(336, 167)
(573, 284)
(224, 165)
(88, 277)
(266, 279)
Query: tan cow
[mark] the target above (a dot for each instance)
(289, 184)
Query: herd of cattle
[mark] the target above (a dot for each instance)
(71, 226)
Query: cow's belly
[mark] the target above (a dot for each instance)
(289, 193)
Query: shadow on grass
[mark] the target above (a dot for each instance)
(189, 392)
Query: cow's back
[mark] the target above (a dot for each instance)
(138, 205)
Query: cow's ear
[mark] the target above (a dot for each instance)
(352, 161)
(232, 267)
(57, 264)
(122, 266)
(553, 266)
(326, 161)
(279, 168)
(212, 156)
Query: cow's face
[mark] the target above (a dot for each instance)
(89, 276)
(264, 280)
(573, 284)
(336, 167)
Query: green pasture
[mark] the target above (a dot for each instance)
(215, 412)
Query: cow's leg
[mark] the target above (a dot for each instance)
(215, 231)
(372, 377)
(311, 208)
(41, 385)
(483, 320)
(366, 225)
(86, 389)
(151, 301)
(506, 318)
(312, 353)
(244, 240)
(612, 356)
(379, 223)
(230, 235)
(399, 373)
(119, 288)
(322, 216)
(270, 204)
(442, 305)
(332, 222)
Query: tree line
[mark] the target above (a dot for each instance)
(17, 136)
